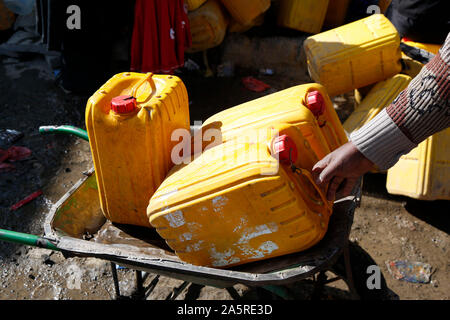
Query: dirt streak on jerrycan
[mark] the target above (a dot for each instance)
(379, 97)
(130, 120)
(307, 107)
(424, 173)
(246, 11)
(354, 55)
(236, 203)
(303, 15)
(208, 26)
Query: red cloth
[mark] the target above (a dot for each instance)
(161, 33)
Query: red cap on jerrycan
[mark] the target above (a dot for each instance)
(123, 104)
(286, 149)
(315, 103)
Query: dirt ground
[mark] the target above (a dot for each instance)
(385, 227)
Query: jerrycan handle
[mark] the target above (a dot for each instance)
(308, 175)
(147, 78)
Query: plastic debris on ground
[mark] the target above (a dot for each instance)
(12, 154)
(28, 199)
(8, 137)
(5, 167)
(266, 71)
(254, 84)
(191, 65)
(415, 272)
(225, 70)
(17, 153)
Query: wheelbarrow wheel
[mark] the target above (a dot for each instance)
(360, 261)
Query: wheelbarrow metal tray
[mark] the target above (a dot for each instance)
(77, 225)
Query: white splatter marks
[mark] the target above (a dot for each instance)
(241, 224)
(253, 232)
(218, 203)
(257, 231)
(176, 219)
(221, 259)
(197, 246)
(194, 227)
(186, 237)
(263, 250)
(268, 247)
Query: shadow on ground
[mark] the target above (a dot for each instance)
(431, 212)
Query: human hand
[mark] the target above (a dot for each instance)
(342, 167)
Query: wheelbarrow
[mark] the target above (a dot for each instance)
(77, 227)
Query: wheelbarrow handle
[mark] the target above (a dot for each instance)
(27, 239)
(65, 129)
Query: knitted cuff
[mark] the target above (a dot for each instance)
(381, 141)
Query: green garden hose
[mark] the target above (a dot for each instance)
(66, 130)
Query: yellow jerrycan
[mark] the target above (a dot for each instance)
(130, 120)
(236, 27)
(424, 173)
(430, 47)
(303, 15)
(354, 55)
(384, 4)
(412, 67)
(236, 203)
(194, 4)
(244, 12)
(336, 13)
(208, 26)
(306, 106)
(379, 97)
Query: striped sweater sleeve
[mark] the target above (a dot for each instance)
(419, 111)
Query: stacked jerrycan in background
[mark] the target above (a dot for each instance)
(235, 203)
(336, 13)
(424, 173)
(236, 27)
(130, 120)
(210, 20)
(193, 4)
(380, 95)
(208, 25)
(247, 12)
(303, 15)
(354, 55)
